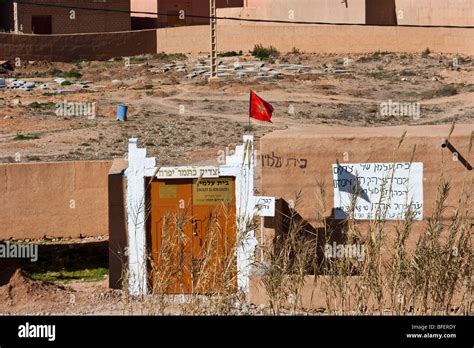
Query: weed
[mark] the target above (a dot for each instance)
(26, 137)
(48, 105)
(64, 276)
(230, 54)
(261, 52)
(72, 74)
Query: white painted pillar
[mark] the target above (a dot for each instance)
(243, 163)
(15, 17)
(135, 204)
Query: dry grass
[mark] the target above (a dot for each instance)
(434, 277)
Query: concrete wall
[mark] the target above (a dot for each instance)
(58, 199)
(315, 296)
(85, 21)
(313, 38)
(99, 46)
(410, 12)
(235, 37)
(436, 12)
(324, 146)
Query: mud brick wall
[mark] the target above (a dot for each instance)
(66, 48)
(85, 21)
(318, 149)
(233, 36)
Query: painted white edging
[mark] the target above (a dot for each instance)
(135, 205)
(240, 165)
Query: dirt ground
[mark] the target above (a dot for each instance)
(187, 121)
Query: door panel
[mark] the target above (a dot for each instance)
(214, 205)
(170, 235)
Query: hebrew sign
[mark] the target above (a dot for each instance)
(213, 191)
(378, 190)
(280, 162)
(187, 172)
(265, 205)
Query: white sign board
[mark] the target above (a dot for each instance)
(384, 190)
(265, 205)
(187, 172)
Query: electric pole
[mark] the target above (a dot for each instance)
(213, 24)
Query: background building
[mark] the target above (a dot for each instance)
(58, 19)
(169, 9)
(374, 12)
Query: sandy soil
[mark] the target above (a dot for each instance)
(183, 121)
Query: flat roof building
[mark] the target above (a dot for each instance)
(65, 17)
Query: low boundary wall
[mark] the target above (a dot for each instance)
(234, 37)
(70, 47)
(56, 199)
(317, 38)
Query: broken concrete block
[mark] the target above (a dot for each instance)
(341, 71)
(59, 80)
(275, 73)
(17, 83)
(24, 88)
(79, 85)
(62, 91)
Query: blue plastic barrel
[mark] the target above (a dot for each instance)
(122, 112)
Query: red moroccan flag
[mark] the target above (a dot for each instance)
(259, 108)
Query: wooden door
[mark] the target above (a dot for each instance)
(41, 25)
(192, 235)
(171, 231)
(214, 262)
